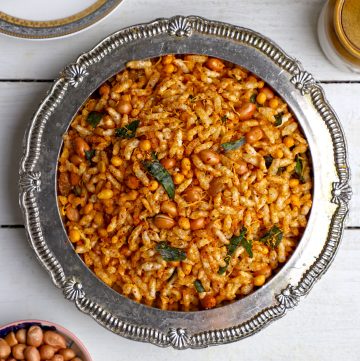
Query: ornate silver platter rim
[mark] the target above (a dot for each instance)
(245, 317)
(42, 30)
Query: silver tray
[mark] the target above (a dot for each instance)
(331, 193)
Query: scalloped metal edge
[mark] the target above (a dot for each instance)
(30, 183)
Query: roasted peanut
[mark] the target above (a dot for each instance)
(76, 160)
(169, 208)
(168, 163)
(54, 339)
(193, 194)
(254, 135)
(196, 224)
(5, 349)
(72, 213)
(11, 339)
(34, 336)
(67, 353)
(18, 351)
(80, 147)
(64, 183)
(57, 357)
(47, 352)
(21, 335)
(268, 92)
(216, 186)
(246, 111)
(209, 157)
(164, 222)
(31, 353)
(124, 107)
(215, 64)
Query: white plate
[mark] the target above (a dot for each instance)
(35, 19)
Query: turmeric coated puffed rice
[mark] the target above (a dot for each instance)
(184, 182)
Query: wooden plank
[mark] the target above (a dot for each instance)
(18, 101)
(294, 28)
(325, 326)
(345, 101)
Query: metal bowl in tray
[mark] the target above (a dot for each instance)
(331, 193)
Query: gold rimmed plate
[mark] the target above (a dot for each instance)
(35, 19)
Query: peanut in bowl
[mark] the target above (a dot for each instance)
(178, 167)
(35, 340)
(184, 182)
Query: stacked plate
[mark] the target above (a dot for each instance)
(35, 19)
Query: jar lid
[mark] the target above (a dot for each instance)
(347, 25)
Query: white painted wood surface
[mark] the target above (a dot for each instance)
(292, 24)
(325, 326)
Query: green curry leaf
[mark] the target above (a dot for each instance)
(199, 287)
(94, 118)
(169, 253)
(272, 237)
(129, 131)
(156, 169)
(234, 144)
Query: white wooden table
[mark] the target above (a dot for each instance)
(325, 326)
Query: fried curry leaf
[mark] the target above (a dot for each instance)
(268, 160)
(223, 269)
(272, 237)
(247, 244)
(299, 168)
(233, 245)
(236, 241)
(169, 253)
(77, 191)
(199, 287)
(89, 154)
(128, 131)
(234, 144)
(156, 169)
(278, 119)
(154, 156)
(253, 98)
(94, 118)
(224, 119)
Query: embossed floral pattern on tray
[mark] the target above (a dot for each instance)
(182, 30)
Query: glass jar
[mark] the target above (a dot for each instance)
(339, 33)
